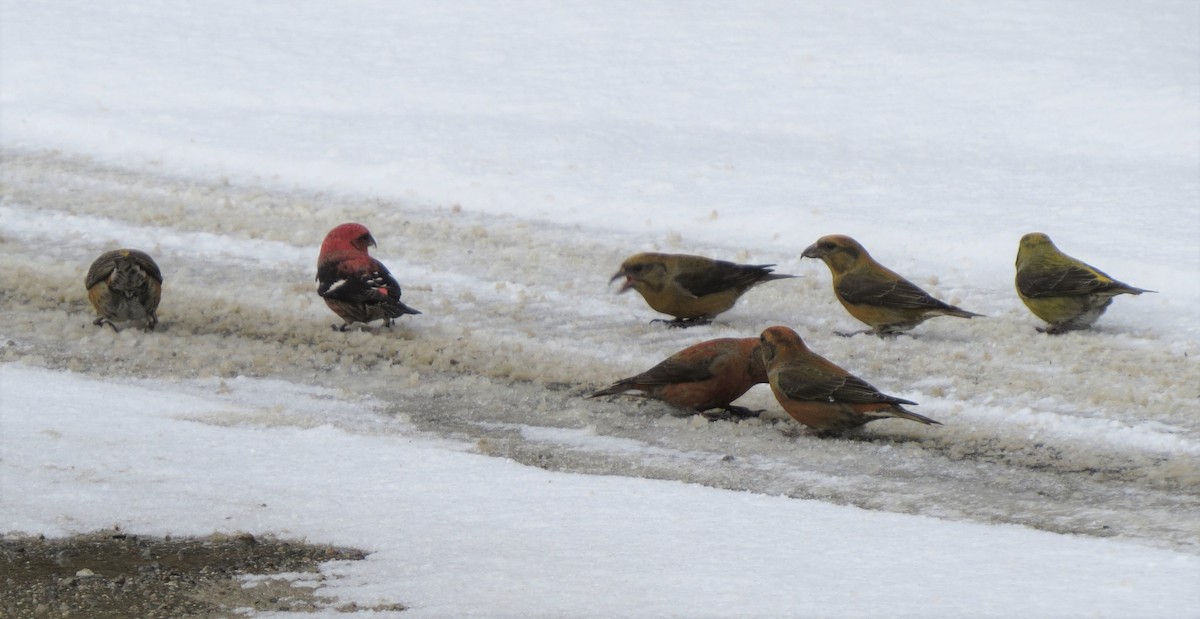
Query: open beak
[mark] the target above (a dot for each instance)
(626, 285)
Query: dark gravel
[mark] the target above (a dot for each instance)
(112, 574)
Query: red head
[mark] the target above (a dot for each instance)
(348, 236)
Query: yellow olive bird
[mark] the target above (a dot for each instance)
(874, 294)
(693, 289)
(124, 285)
(1061, 290)
(701, 377)
(818, 393)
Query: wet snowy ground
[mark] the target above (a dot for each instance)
(507, 161)
(1070, 434)
(1086, 433)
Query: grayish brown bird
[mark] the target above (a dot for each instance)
(693, 289)
(125, 285)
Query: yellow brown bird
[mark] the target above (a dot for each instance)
(874, 294)
(818, 393)
(124, 285)
(702, 377)
(693, 289)
(1061, 290)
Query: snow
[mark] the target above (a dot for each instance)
(456, 533)
(507, 156)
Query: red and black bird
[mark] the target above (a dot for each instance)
(357, 287)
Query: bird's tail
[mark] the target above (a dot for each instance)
(962, 313)
(398, 309)
(1119, 288)
(614, 389)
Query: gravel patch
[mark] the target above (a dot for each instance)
(112, 574)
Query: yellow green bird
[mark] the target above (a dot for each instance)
(1061, 290)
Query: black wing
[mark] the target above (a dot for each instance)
(810, 384)
(1072, 280)
(860, 290)
(374, 285)
(724, 276)
(670, 372)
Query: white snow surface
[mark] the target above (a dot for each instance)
(507, 156)
(460, 534)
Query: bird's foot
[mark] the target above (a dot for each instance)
(881, 333)
(341, 328)
(100, 322)
(741, 412)
(730, 412)
(683, 323)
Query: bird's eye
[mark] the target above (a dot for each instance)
(828, 245)
(636, 268)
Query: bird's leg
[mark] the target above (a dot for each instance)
(851, 333)
(152, 322)
(741, 412)
(100, 322)
(683, 323)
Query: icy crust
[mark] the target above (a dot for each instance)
(1095, 432)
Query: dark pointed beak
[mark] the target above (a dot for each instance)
(812, 251)
(626, 285)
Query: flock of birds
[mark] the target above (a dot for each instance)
(125, 286)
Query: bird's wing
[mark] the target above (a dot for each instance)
(343, 282)
(100, 270)
(855, 390)
(671, 372)
(807, 383)
(893, 292)
(1072, 280)
(721, 276)
(858, 289)
(811, 382)
(146, 263)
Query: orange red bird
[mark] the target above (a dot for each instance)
(702, 377)
(356, 286)
(818, 393)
